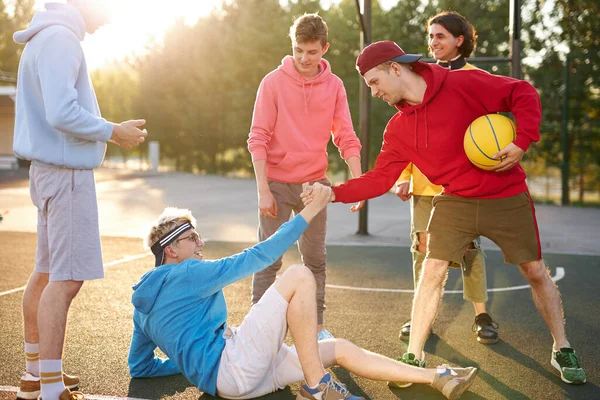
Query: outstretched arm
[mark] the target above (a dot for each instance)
(208, 277)
(356, 171)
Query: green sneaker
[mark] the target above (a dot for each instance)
(567, 363)
(410, 359)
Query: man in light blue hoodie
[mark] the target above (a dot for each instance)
(58, 127)
(180, 308)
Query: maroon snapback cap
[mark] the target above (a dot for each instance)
(380, 52)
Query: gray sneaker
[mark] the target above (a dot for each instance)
(453, 382)
(327, 389)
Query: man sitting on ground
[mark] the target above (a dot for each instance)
(180, 308)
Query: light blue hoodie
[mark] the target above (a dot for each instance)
(57, 119)
(180, 308)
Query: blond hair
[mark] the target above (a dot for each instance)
(170, 218)
(309, 28)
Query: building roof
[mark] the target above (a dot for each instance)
(8, 90)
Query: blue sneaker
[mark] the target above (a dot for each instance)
(327, 389)
(324, 334)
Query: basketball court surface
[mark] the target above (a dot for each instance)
(368, 296)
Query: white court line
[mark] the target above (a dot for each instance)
(560, 273)
(108, 264)
(15, 389)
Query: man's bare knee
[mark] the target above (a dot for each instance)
(342, 349)
(39, 278)
(434, 271)
(300, 273)
(422, 246)
(70, 288)
(535, 272)
(328, 350)
(295, 277)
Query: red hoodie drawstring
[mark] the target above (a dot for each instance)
(415, 132)
(426, 130)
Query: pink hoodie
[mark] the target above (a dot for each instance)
(293, 120)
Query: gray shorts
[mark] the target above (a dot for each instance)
(68, 237)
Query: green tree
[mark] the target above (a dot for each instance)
(21, 12)
(116, 87)
(568, 26)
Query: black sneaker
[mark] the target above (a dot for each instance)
(486, 328)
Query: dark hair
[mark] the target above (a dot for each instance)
(457, 25)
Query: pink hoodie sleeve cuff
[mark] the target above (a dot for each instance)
(350, 152)
(258, 154)
(522, 141)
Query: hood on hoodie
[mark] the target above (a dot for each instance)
(147, 289)
(287, 67)
(55, 14)
(434, 76)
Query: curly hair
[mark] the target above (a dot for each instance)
(170, 218)
(457, 25)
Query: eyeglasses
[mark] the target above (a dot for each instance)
(194, 237)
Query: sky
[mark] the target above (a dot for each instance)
(137, 22)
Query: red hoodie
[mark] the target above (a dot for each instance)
(430, 135)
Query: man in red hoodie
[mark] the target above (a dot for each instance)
(299, 107)
(435, 107)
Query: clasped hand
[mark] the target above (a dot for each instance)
(315, 193)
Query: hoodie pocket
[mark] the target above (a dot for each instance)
(307, 163)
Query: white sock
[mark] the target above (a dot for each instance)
(32, 358)
(51, 379)
(567, 344)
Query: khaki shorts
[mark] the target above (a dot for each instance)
(421, 212)
(255, 361)
(509, 222)
(68, 237)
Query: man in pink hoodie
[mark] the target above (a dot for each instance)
(299, 106)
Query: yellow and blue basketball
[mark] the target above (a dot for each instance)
(486, 136)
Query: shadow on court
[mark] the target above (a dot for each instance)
(515, 368)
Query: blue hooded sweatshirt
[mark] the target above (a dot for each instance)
(180, 308)
(57, 115)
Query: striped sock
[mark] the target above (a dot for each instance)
(51, 378)
(32, 358)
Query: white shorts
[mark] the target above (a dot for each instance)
(68, 237)
(255, 361)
